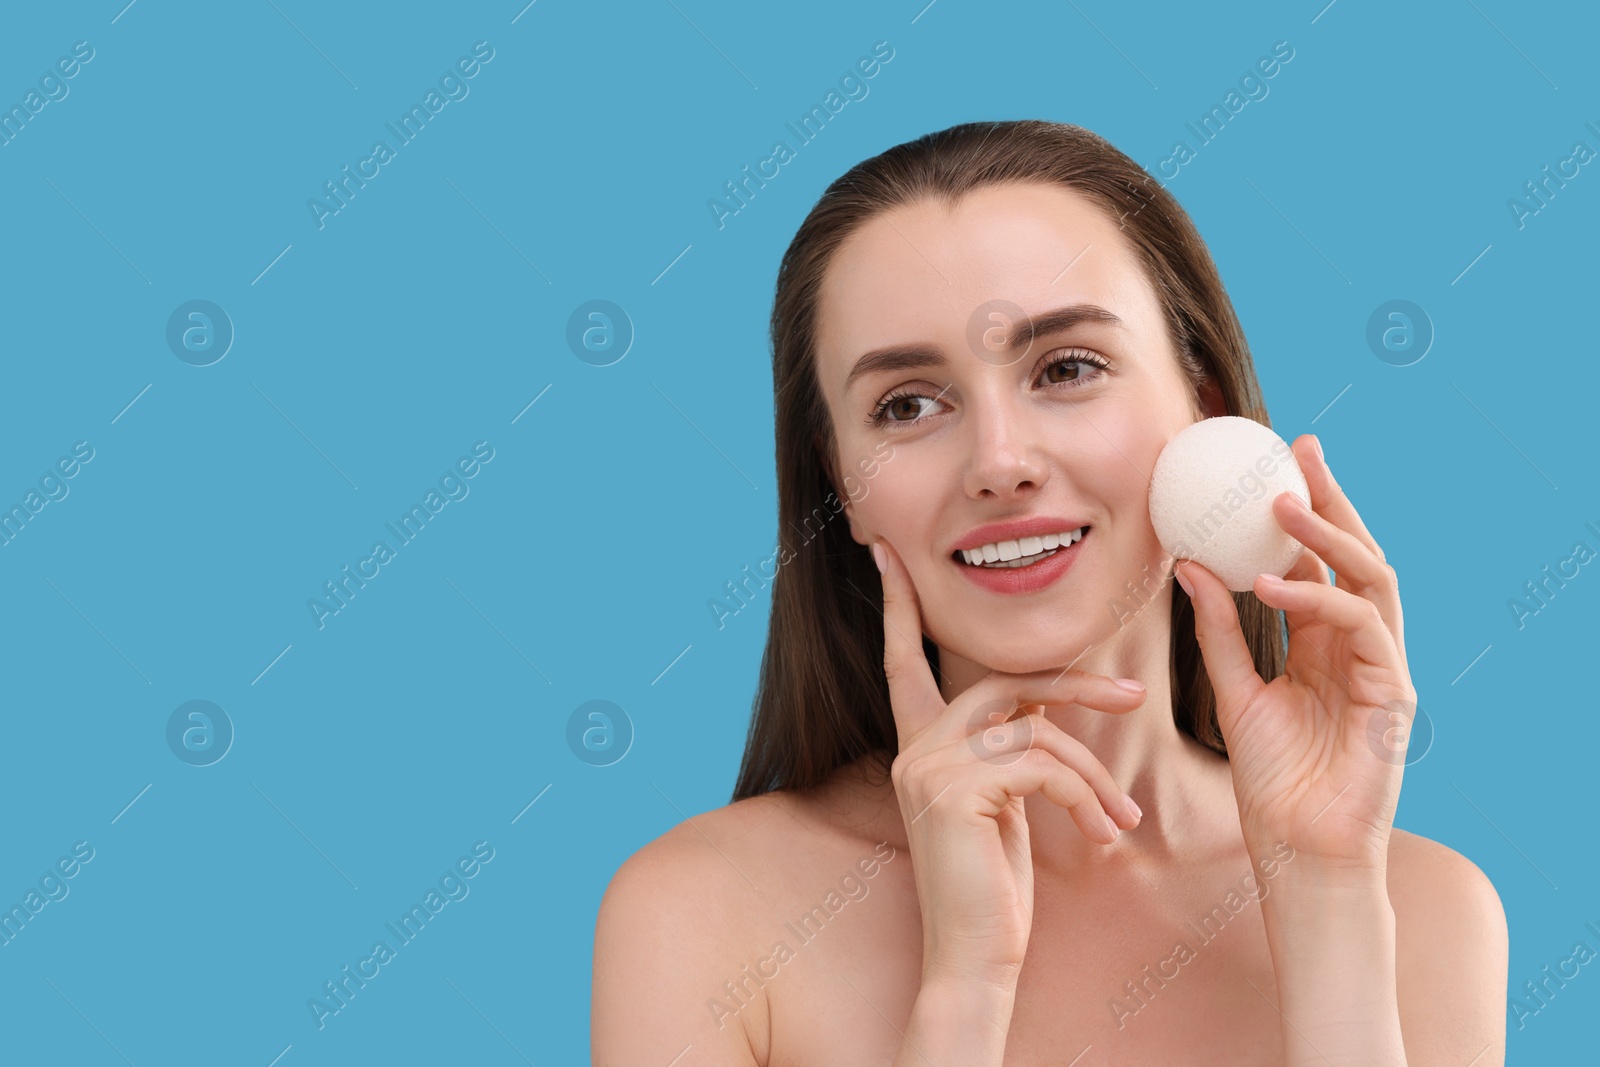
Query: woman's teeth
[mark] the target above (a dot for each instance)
(1022, 552)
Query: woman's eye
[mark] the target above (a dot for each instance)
(1074, 370)
(901, 408)
(1063, 366)
(1076, 367)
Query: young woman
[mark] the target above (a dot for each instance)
(1050, 809)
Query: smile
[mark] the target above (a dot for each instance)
(999, 555)
(1026, 565)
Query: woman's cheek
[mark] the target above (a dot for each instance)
(899, 508)
(889, 509)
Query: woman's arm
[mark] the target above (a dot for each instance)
(961, 773)
(1316, 756)
(1417, 954)
(1332, 939)
(958, 1022)
(1451, 955)
(661, 953)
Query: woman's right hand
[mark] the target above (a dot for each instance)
(961, 774)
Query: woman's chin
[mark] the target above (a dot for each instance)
(1021, 652)
(1035, 657)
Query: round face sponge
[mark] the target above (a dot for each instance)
(1211, 499)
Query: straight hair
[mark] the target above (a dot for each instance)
(822, 700)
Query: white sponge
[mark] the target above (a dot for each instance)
(1211, 499)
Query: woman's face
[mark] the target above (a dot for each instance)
(988, 426)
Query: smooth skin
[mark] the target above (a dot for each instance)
(976, 884)
(1010, 926)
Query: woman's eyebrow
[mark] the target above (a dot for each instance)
(910, 357)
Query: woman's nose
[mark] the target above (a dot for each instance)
(1006, 461)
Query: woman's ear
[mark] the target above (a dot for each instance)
(857, 534)
(1211, 403)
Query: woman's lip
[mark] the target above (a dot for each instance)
(1033, 577)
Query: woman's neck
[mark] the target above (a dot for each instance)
(1183, 788)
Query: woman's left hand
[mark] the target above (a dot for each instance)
(1317, 753)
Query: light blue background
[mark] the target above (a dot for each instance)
(429, 312)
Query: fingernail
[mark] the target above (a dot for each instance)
(1137, 814)
(877, 556)
(1132, 685)
(1177, 572)
(1318, 442)
(1113, 828)
(1270, 580)
(1296, 503)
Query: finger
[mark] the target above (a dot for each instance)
(1356, 617)
(1327, 499)
(913, 693)
(1004, 744)
(995, 697)
(1358, 567)
(991, 787)
(1074, 686)
(1307, 567)
(1222, 645)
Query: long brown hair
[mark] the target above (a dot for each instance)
(822, 700)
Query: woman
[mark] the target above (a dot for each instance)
(1050, 809)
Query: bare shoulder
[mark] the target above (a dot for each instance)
(672, 929)
(1451, 953)
(1436, 884)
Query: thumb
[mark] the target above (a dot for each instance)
(913, 692)
(1222, 645)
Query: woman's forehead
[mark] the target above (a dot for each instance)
(921, 272)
